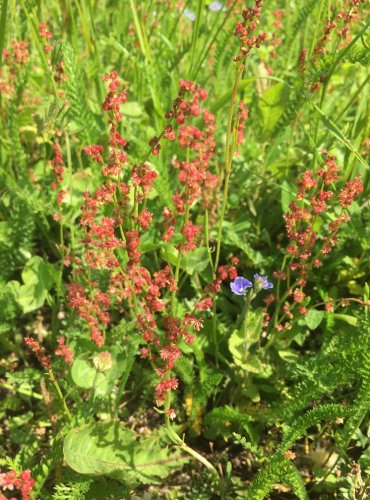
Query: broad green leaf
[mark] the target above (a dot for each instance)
(287, 195)
(197, 260)
(31, 297)
(225, 98)
(351, 320)
(38, 278)
(107, 448)
(241, 357)
(252, 392)
(169, 254)
(83, 373)
(240, 342)
(313, 318)
(132, 109)
(272, 105)
(37, 270)
(253, 364)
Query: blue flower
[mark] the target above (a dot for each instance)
(239, 285)
(261, 283)
(189, 14)
(216, 6)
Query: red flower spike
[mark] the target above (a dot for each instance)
(39, 351)
(64, 351)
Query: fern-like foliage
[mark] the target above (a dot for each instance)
(209, 380)
(282, 471)
(72, 490)
(278, 467)
(76, 92)
(292, 477)
(341, 361)
(361, 403)
(305, 11)
(20, 236)
(221, 417)
(17, 153)
(8, 308)
(360, 55)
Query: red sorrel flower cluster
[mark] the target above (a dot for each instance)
(196, 180)
(338, 23)
(17, 54)
(243, 114)
(317, 198)
(347, 15)
(245, 28)
(45, 35)
(15, 57)
(227, 272)
(320, 47)
(92, 310)
(56, 64)
(58, 169)
(12, 481)
(64, 350)
(148, 296)
(39, 351)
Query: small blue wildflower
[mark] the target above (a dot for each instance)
(215, 6)
(189, 15)
(239, 285)
(261, 283)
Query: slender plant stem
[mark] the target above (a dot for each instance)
(30, 19)
(245, 324)
(203, 56)
(178, 263)
(228, 159)
(229, 153)
(195, 34)
(172, 434)
(175, 438)
(60, 394)
(3, 18)
(70, 186)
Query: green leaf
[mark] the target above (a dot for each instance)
(272, 105)
(107, 448)
(338, 134)
(313, 318)
(169, 254)
(225, 98)
(241, 358)
(239, 343)
(132, 109)
(38, 278)
(287, 195)
(197, 260)
(288, 355)
(83, 373)
(351, 320)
